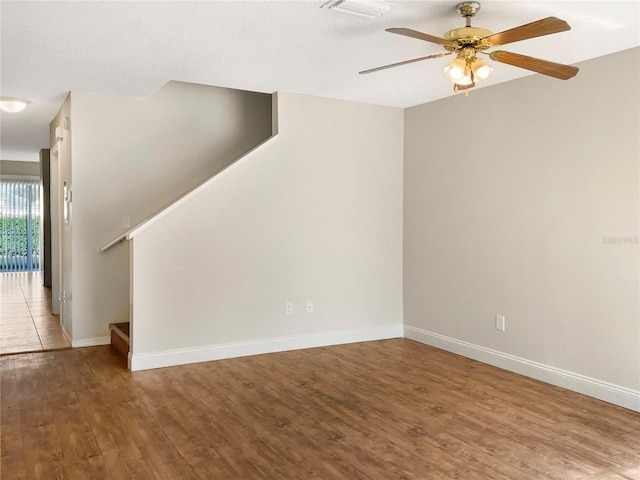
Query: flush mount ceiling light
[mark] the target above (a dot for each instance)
(362, 8)
(13, 105)
(468, 42)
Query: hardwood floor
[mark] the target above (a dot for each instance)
(392, 409)
(26, 322)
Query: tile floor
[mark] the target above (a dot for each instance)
(26, 322)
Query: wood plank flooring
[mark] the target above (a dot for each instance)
(26, 322)
(392, 409)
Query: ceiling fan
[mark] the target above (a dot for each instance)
(467, 42)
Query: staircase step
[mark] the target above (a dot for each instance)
(120, 337)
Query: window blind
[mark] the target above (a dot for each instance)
(19, 225)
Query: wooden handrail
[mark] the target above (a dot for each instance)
(128, 235)
(114, 242)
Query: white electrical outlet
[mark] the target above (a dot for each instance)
(288, 308)
(500, 322)
(308, 306)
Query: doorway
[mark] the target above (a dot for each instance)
(26, 323)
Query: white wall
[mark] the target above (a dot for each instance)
(132, 157)
(19, 169)
(315, 214)
(510, 198)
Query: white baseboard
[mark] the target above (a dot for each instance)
(624, 397)
(91, 342)
(145, 361)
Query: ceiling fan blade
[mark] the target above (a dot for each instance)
(557, 70)
(407, 32)
(371, 70)
(539, 28)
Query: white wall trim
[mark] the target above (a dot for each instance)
(91, 342)
(128, 235)
(622, 396)
(208, 353)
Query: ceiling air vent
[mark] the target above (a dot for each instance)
(364, 8)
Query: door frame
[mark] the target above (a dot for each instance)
(56, 232)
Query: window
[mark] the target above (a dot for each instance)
(19, 225)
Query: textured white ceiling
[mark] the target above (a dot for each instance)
(132, 48)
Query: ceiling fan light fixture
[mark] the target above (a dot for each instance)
(464, 71)
(456, 70)
(457, 87)
(481, 70)
(13, 105)
(467, 79)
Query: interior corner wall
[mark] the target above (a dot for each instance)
(523, 201)
(314, 215)
(132, 157)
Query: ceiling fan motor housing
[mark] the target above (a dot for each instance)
(467, 35)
